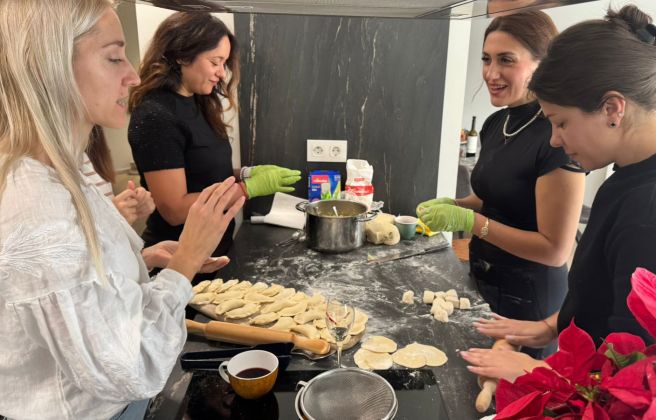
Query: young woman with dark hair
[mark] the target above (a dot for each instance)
(177, 133)
(597, 87)
(527, 197)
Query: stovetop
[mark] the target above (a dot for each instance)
(209, 397)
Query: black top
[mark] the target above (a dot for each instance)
(506, 173)
(168, 131)
(620, 236)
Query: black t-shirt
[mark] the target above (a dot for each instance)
(507, 171)
(620, 236)
(168, 131)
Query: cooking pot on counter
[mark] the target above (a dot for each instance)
(335, 225)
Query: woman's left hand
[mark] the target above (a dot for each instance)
(158, 256)
(505, 364)
(447, 218)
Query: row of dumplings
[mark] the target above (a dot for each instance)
(272, 306)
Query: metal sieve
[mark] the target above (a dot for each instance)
(346, 394)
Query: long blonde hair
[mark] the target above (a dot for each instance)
(41, 108)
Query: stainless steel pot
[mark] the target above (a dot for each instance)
(335, 225)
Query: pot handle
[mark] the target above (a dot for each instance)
(302, 205)
(368, 215)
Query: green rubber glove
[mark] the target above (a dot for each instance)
(448, 218)
(254, 170)
(423, 207)
(270, 181)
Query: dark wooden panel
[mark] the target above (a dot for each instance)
(378, 83)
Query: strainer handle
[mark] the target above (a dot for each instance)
(297, 402)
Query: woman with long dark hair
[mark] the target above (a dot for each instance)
(177, 133)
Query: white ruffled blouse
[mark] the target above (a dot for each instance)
(72, 347)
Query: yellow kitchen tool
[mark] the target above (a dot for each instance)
(423, 229)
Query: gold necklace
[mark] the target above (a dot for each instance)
(505, 126)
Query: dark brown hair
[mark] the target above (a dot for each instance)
(594, 57)
(534, 30)
(99, 154)
(180, 38)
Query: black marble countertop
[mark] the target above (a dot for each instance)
(374, 288)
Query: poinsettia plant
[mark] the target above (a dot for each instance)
(615, 381)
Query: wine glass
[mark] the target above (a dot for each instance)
(339, 319)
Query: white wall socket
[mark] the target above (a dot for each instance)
(326, 150)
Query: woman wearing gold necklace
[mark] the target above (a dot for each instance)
(527, 196)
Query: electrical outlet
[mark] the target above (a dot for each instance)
(326, 150)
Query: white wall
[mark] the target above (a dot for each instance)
(477, 103)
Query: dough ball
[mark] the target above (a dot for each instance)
(447, 306)
(464, 303)
(393, 237)
(378, 233)
(369, 360)
(451, 292)
(379, 344)
(440, 314)
(433, 355)
(410, 358)
(384, 218)
(408, 297)
(440, 295)
(428, 296)
(454, 300)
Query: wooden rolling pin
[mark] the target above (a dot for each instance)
(244, 334)
(489, 385)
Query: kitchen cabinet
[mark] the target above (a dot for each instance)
(374, 288)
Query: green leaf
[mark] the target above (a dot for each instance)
(623, 360)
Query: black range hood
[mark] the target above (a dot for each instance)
(413, 9)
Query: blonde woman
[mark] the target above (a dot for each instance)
(85, 332)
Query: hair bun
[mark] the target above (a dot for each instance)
(634, 20)
(647, 34)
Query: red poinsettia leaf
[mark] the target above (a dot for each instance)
(642, 299)
(623, 343)
(651, 379)
(575, 356)
(530, 406)
(594, 412)
(629, 385)
(650, 414)
(545, 379)
(651, 350)
(618, 410)
(508, 393)
(607, 370)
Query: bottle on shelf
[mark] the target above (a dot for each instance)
(472, 139)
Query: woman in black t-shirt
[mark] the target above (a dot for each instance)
(527, 197)
(597, 118)
(177, 134)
